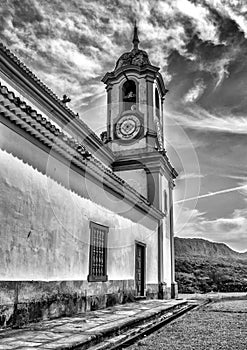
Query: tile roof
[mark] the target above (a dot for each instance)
(34, 78)
(18, 112)
(30, 116)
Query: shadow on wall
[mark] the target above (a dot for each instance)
(23, 302)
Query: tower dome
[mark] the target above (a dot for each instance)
(134, 57)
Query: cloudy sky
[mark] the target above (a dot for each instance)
(201, 48)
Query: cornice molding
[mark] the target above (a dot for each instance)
(23, 116)
(153, 161)
(147, 70)
(23, 77)
(161, 84)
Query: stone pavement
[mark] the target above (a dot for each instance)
(83, 331)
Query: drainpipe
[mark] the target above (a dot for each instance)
(174, 288)
(161, 294)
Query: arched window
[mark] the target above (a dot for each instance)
(157, 103)
(129, 94)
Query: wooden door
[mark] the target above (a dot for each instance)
(139, 269)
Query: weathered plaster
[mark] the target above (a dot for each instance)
(22, 302)
(45, 229)
(136, 178)
(44, 233)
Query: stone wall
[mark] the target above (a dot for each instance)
(22, 302)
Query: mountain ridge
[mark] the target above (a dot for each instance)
(202, 248)
(203, 266)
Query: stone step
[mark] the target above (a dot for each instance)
(132, 328)
(101, 329)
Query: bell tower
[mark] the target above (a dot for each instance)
(135, 95)
(135, 134)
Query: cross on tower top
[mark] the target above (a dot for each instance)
(135, 40)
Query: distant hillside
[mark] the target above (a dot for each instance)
(197, 247)
(204, 266)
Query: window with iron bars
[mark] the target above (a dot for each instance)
(98, 253)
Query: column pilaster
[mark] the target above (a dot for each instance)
(109, 121)
(151, 133)
(174, 288)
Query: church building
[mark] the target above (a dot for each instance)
(85, 221)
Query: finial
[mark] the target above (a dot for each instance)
(135, 40)
(65, 99)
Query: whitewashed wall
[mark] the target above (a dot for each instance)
(44, 226)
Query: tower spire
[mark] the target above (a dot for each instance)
(135, 40)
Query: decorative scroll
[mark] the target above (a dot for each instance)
(160, 138)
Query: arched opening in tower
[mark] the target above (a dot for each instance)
(157, 103)
(129, 95)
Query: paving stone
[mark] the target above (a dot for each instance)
(28, 348)
(8, 340)
(52, 346)
(7, 347)
(77, 319)
(98, 320)
(77, 338)
(126, 312)
(68, 341)
(107, 327)
(118, 339)
(102, 346)
(74, 328)
(18, 343)
(49, 336)
(73, 331)
(110, 318)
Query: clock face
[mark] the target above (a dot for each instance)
(128, 127)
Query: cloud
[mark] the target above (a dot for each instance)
(230, 230)
(84, 39)
(235, 177)
(185, 176)
(188, 221)
(234, 9)
(242, 188)
(69, 60)
(59, 42)
(198, 118)
(199, 46)
(205, 26)
(219, 67)
(195, 92)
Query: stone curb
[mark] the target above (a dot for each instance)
(115, 327)
(99, 334)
